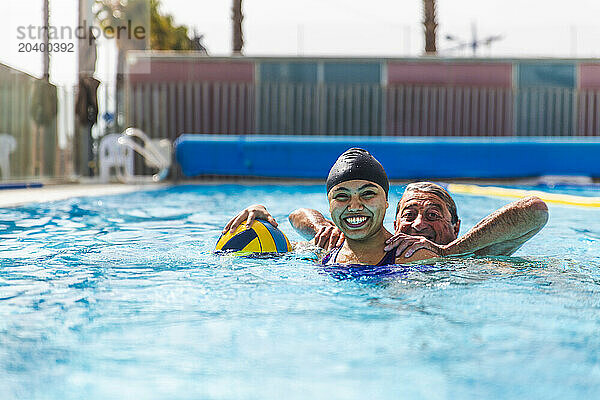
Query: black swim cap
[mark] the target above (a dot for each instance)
(356, 163)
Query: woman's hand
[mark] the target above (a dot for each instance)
(251, 213)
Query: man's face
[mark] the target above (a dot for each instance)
(425, 214)
(358, 207)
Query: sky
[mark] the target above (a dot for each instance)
(393, 27)
(386, 28)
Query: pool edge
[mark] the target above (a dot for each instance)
(20, 197)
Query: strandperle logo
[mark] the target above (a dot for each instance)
(127, 31)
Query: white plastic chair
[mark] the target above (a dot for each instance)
(8, 144)
(112, 154)
(156, 154)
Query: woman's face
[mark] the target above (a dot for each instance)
(358, 207)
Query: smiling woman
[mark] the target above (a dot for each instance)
(357, 208)
(357, 190)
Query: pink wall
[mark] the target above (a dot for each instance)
(191, 70)
(589, 76)
(446, 73)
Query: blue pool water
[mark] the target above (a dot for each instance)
(121, 297)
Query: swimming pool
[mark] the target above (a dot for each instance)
(121, 297)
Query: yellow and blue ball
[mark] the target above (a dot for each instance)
(262, 237)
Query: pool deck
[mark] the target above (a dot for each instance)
(19, 197)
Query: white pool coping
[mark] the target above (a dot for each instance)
(19, 197)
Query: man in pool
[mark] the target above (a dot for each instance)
(426, 218)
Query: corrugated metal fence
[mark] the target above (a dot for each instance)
(449, 111)
(349, 109)
(169, 109)
(588, 103)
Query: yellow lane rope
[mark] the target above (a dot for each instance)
(518, 193)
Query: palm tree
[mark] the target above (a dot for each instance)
(430, 24)
(46, 53)
(238, 36)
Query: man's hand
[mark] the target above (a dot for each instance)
(251, 213)
(411, 244)
(328, 237)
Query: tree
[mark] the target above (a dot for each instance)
(430, 24)
(238, 36)
(164, 33)
(46, 53)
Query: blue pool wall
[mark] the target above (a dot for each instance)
(311, 157)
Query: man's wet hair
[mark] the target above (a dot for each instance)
(437, 190)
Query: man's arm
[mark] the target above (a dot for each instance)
(502, 232)
(313, 225)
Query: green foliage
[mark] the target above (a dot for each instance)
(164, 33)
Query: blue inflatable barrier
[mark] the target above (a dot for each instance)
(20, 185)
(402, 157)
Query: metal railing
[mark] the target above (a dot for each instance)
(28, 119)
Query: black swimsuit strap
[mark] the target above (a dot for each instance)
(388, 259)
